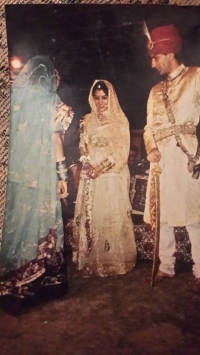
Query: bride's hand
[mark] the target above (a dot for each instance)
(98, 170)
(95, 172)
(90, 171)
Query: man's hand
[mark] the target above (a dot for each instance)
(62, 189)
(154, 156)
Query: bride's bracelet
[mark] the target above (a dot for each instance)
(61, 170)
(106, 164)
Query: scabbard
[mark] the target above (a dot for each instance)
(156, 227)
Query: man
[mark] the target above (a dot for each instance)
(173, 112)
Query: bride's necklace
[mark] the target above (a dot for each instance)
(103, 118)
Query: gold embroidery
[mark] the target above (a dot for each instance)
(98, 141)
(119, 268)
(106, 165)
(64, 115)
(16, 108)
(107, 246)
(187, 128)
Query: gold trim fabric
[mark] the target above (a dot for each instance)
(4, 78)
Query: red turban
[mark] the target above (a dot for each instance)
(164, 40)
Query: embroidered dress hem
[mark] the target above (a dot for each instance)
(107, 269)
(47, 269)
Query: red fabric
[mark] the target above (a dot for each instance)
(165, 39)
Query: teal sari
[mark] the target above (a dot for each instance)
(32, 238)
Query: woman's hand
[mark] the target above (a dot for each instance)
(62, 189)
(92, 172)
(154, 156)
(98, 170)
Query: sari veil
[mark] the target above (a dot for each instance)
(120, 136)
(32, 210)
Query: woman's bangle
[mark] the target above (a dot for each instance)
(106, 165)
(61, 170)
(73, 163)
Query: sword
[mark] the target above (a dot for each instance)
(155, 217)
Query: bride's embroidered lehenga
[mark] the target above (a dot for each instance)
(104, 242)
(32, 253)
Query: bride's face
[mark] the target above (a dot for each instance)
(101, 100)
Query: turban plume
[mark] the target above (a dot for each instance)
(164, 40)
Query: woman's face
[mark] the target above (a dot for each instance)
(101, 100)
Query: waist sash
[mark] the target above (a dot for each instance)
(174, 130)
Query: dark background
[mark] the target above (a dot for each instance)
(88, 42)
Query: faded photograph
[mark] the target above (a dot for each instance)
(100, 96)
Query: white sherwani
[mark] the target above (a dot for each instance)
(179, 192)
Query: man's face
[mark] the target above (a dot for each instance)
(162, 63)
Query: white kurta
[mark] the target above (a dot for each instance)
(179, 192)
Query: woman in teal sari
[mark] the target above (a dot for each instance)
(32, 248)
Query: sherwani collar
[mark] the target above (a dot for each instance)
(176, 72)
